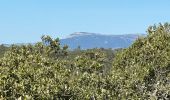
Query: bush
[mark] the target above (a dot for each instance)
(143, 69)
(47, 70)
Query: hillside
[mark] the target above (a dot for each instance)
(93, 40)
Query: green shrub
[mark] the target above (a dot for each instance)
(143, 69)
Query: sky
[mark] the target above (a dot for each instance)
(25, 21)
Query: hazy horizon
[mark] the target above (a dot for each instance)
(26, 21)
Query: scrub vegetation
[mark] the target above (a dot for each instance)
(47, 70)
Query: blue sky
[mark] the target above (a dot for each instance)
(23, 21)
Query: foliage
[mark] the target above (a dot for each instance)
(52, 47)
(39, 72)
(143, 69)
(3, 49)
(47, 70)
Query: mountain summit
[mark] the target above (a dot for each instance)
(95, 40)
(77, 34)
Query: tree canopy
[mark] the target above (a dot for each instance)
(47, 70)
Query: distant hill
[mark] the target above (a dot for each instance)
(93, 40)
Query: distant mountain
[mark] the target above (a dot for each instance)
(93, 40)
(19, 44)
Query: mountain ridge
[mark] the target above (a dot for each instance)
(88, 40)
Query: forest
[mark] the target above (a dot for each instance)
(48, 71)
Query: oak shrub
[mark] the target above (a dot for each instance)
(46, 70)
